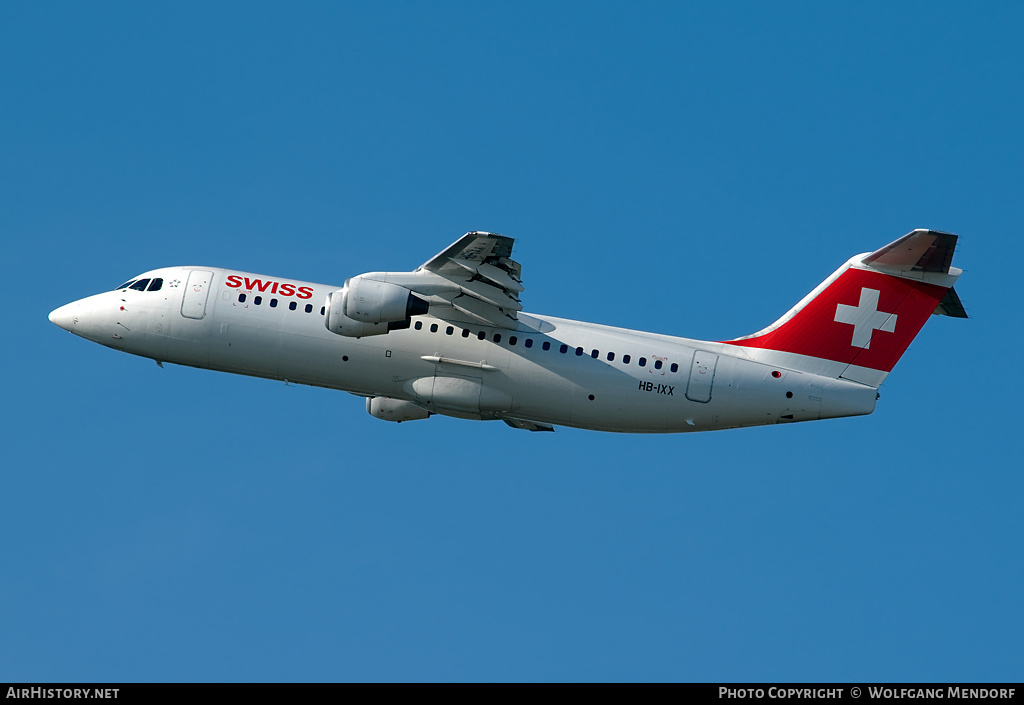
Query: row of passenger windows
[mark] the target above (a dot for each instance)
(142, 284)
(292, 305)
(546, 345)
(482, 335)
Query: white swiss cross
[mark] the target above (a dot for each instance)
(865, 318)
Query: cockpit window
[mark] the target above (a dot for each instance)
(155, 284)
(140, 285)
(125, 285)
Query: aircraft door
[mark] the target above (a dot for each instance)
(702, 375)
(193, 303)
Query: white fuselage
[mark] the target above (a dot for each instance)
(608, 379)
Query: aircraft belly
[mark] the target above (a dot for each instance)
(619, 394)
(541, 393)
(179, 348)
(241, 341)
(613, 401)
(246, 349)
(760, 394)
(314, 360)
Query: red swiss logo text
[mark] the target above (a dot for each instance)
(268, 285)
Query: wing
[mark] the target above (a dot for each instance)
(484, 281)
(475, 281)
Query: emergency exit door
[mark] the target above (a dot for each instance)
(702, 376)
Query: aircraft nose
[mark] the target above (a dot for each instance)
(65, 316)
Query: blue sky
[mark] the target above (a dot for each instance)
(692, 169)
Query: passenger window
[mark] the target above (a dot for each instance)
(625, 359)
(497, 337)
(419, 325)
(579, 351)
(481, 335)
(465, 332)
(156, 284)
(140, 285)
(528, 342)
(433, 327)
(512, 340)
(309, 308)
(594, 354)
(273, 303)
(546, 345)
(642, 362)
(675, 367)
(291, 307)
(258, 300)
(241, 298)
(611, 357)
(657, 364)
(449, 330)
(323, 310)
(563, 348)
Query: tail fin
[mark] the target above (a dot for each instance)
(857, 323)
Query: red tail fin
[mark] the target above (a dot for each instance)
(868, 312)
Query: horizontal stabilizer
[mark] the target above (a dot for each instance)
(918, 251)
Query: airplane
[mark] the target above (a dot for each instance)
(451, 338)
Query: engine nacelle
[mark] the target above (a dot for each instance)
(337, 322)
(373, 301)
(394, 409)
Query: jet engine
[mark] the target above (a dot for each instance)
(371, 307)
(373, 301)
(394, 409)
